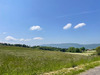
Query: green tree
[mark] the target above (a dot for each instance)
(78, 50)
(82, 48)
(98, 50)
(71, 49)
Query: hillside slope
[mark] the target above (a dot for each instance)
(67, 45)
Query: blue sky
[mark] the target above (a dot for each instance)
(36, 22)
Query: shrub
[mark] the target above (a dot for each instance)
(82, 48)
(71, 49)
(98, 50)
(78, 50)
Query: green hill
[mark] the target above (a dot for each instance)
(67, 45)
(29, 61)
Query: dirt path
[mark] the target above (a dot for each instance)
(95, 71)
(67, 71)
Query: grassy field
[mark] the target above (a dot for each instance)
(86, 53)
(28, 61)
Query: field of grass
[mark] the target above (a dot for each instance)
(74, 70)
(28, 61)
(86, 53)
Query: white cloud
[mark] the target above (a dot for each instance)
(24, 39)
(35, 28)
(79, 25)
(21, 39)
(4, 33)
(67, 26)
(27, 39)
(10, 38)
(38, 38)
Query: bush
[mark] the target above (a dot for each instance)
(78, 50)
(98, 50)
(71, 49)
(82, 48)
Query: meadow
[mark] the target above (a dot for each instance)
(28, 61)
(86, 53)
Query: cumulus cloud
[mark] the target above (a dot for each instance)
(24, 39)
(79, 25)
(10, 38)
(27, 39)
(35, 28)
(38, 38)
(67, 26)
(21, 39)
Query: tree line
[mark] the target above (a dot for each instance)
(70, 49)
(17, 45)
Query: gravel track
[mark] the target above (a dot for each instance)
(94, 71)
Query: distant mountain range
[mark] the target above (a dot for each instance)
(67, 45)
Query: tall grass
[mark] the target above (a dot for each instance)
(27, 61)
